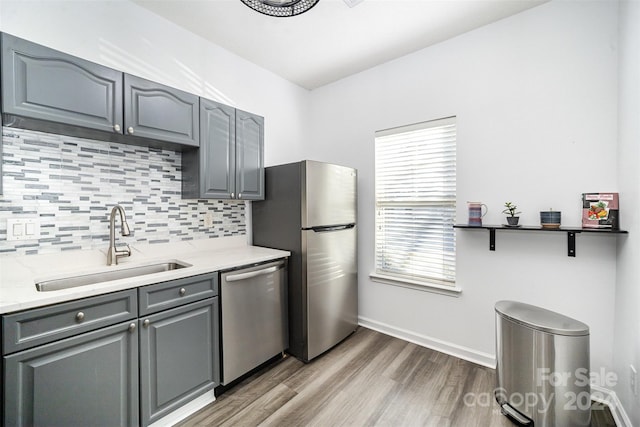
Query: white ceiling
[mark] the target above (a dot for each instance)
(332, 41)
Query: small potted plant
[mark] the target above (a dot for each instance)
(510, 209)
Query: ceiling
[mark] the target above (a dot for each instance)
(332, 41)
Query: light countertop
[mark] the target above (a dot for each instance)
(19, 274)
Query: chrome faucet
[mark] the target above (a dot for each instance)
(113, 254)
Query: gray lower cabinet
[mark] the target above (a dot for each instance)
(42, 83)
(87, 380)
(122, 359)
(74, 363)
(160, 112)
(178, 357)
(229, 163)
(179, 343)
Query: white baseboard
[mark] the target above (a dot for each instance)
(458, 351)
(610, 398)
(186, 410)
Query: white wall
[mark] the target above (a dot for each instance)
(127, 37)
(535, 97)
(627, 319)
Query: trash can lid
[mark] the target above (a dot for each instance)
(541, 319)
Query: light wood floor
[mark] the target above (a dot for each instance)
(370, 379)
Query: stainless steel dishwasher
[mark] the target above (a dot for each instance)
(254, 316)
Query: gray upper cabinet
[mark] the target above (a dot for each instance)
(249, 156)
(42, 83)
(229, 163)
(160, 112)
(209, 173)
(47, 90)
(87, 380)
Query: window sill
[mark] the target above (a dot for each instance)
(452, 291)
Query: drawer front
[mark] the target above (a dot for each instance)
(154, 298)
(44, 325)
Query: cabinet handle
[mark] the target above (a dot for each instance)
(116, 127)
(182, 291)
(132, 327)
(146, 323)
(232, 195)
(239, 195)
(79, 317)
(130, 130)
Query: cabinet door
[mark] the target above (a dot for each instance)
(42, 83)
(178, 357)
(249, 156)
(152, 110)
(217, 150)
(87, 380)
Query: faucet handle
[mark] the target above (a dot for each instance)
(123, 252)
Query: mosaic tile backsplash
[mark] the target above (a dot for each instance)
(70, 184)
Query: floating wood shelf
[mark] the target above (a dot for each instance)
(571, 233)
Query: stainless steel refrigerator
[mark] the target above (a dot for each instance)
(310, 210)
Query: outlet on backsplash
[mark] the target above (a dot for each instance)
(23, 229)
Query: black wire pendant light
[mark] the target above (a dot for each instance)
(281, 8)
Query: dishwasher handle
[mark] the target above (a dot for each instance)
(252, 274)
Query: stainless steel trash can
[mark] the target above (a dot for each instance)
(542, 366)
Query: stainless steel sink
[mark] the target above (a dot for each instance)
(107, 276)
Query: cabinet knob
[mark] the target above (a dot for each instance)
(146, 323)
(116, 127)
(130, 130)
(233, 195)
(182, 291)
(132, 327)
(239, 195)
(79, 317)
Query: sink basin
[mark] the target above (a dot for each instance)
(107, 276)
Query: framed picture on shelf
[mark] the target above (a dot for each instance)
(601, 210)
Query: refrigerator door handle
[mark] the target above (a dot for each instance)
(330, 228)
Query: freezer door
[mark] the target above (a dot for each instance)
(329, 195)
(332, 287)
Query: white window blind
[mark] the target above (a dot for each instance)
(416, 202)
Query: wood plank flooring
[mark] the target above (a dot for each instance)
(370, 379)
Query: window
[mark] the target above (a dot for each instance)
(416, 203)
